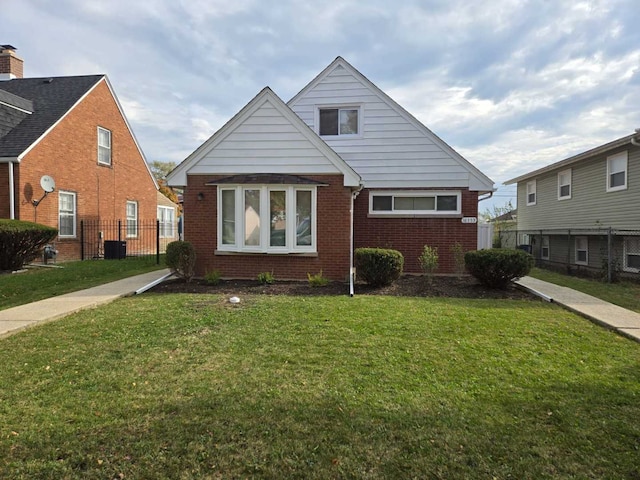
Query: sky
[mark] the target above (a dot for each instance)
(512, 85)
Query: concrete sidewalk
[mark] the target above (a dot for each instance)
(604, 313)
(17, 318)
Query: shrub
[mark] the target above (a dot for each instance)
(378, 266)
(213, 277)
(429, 261)
(21, 242)
(458, 258)
(181, 259)
(497, 267)
(266, 278)
(317, 280)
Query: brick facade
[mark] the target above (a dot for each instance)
(410, 235)
(11, 64)
(69, 154)
(333, 235)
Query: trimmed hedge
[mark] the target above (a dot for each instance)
(181, 259)
(498, 267)
(378, 266)
(21, 242)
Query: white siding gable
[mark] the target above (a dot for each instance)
(264, 137)
(393, 149)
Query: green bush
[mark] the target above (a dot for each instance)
(181, 259)
(21, 242)
(378, 266)
(317, 280)
(213, 277)
(266, 278)
(457, 250)
(497, 267)
(429, 261)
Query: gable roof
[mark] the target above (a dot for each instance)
(482, 183)
(599, 150)
(178, 177)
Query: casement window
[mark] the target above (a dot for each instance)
(104, 146)
(564, 185)
(66, 214)
(544, 248)
(339, 121)
(267, 219)
(617, 172)
(582, 251)
(167, 221)
(132, 219)
(415, 203)
(632, 254)
(531, 192)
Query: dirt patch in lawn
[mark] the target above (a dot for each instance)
(408, 285)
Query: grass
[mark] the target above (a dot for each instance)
(624, 293)
(190, 386)
(39, 283)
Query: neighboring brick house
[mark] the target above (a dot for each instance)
(168, 212)
(72, 129)
(293, 188)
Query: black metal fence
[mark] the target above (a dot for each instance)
(605, 252)
(114, 239)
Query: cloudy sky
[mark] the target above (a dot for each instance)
(511, 84)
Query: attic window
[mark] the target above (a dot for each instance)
(104, 146)
(339, 121)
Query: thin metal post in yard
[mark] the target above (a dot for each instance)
(609, 256)
(81, 239)
(119, 230)
(157, 242)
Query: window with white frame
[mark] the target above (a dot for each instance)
(632, 254)
(339, 121)
(544, 248)
(167, 221)
(564, 185)
(267, 218)
(446, 202)
(104, 146)
(582, 251)
(132, 219)
(66, 214)
(531, 192)
(617, 172)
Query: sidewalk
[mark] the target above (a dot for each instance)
(604, 313)
(17, 318)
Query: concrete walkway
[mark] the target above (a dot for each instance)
(604, 313)
(15, 319)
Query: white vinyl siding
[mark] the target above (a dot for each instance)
(267, 219)
(104, 146)
(632, 254)
(132, 219)
(66, 214)
(403, 203)
(617, 172)
(531, 193)
(564, 185)
(582, 250)
(167, 221)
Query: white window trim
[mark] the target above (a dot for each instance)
(543, 246)
(575, 256)
(104, 146)
(74, 216)
(265, 216)
(625, 249)
(415, 193)
(164, 222)
(610, 160)
(560, 185)
(533, 191)
(347, 106)
(131, 235)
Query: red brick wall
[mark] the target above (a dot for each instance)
(333, 236)
(11, 64)
(69, 154)
(409, 235)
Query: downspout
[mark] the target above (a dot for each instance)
(12, 206)
(489, 195)
(352, 270)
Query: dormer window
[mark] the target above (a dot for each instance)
(339, 121)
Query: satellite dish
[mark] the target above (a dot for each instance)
(47, 183)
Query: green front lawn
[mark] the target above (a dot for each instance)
(44, 282)
(189, 386)
(625, 294)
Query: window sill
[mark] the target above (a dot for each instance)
(282, 254)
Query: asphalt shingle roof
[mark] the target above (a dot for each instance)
(52, 97)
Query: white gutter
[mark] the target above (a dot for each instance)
(12, 206)
(352, 269)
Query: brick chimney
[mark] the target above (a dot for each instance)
(10, 63)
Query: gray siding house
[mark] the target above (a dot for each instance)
(583, 212)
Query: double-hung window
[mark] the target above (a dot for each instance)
(337, 121)
(531, 192)
(267, 218)
(632, 254)
(132, 219)
(167, 220)
(66, 214)
(544, 248)
(582, 251)
(104, 146)
(403, 203)
(617, 172)
(564, 185)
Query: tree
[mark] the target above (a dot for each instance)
(161, 169)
